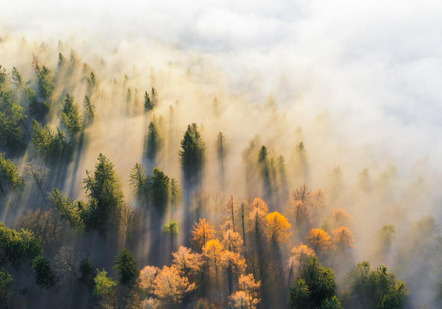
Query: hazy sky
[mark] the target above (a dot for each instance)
(376, 66)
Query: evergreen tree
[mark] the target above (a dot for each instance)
(159, 190)
(153, 144)
(9, 177)
(126, 265)
(105, 194)
(52, 145)
(192, 156)
(43, 272)
(70, 116)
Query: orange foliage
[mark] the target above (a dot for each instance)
(241, 299)
(202, 232)
(214, 252)
(277, 227)
(248, 284)
(257, 215)
(342, 238)
(319, 240)
(170, 287)
(187, 262)
(233, 259)
(147, 277)
(232, 241)
(300, 256)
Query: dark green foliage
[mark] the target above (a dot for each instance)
(70, 116)
(11, 120)
(331, 303)
(87, 273)
(39, 103)
(175, 192)
(139, 181)
(299, 294)
(9, 177)
(17, 78)
(148, 106)
(126, 264)
(92, 80)
(374, 288)
(17, 247)
(90, 108)
(3, 75)
(105, 194)
(318, 284)
(43, 272)
(51, 145)
(153, 143)
(37, 107)
(150, 101)
(70, 210)
(159, 190)
(6, 284)
(61, 61)
(192, 155)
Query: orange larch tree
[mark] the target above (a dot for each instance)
(202, 232)
(277, 227)
(319, 240)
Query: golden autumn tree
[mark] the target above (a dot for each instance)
(342, 238)
(277, 227)
(213, 251)
(202, 232)
(247, 295)
(188, 263)
(242, 300)
(318, 240)
(257, 216)
(233, 243)
(248, 284)
(298, 259)
(170, 287)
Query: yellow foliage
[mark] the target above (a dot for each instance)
(232, 241)
(187, 262)
(277, 227)
(170, 287)
(319, 240)
(342, 237)
(248, 284)
(242, 300)
(202, 232)
(257, 215)
(214, 252)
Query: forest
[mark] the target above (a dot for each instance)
(144, 185)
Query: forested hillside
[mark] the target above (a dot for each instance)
(126, 183)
